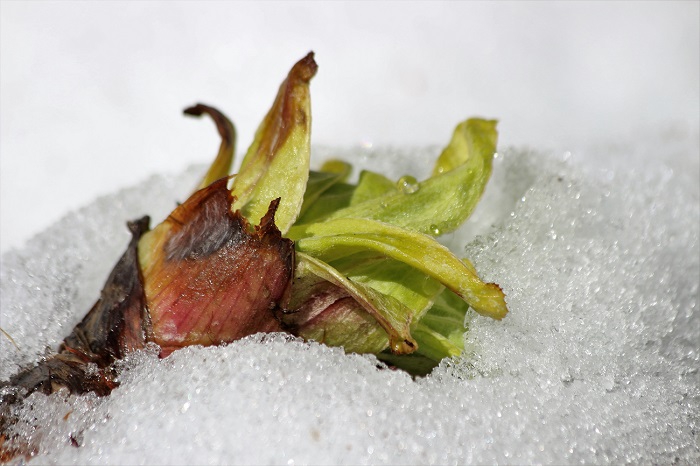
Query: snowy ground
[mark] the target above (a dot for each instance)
(597, 361)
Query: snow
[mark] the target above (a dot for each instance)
(597, 361)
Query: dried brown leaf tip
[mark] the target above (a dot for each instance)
(290, 107)
(118, 322)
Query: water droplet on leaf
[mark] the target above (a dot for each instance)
(408, 184)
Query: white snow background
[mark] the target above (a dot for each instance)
(590, 223)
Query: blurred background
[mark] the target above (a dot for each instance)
(91, 93)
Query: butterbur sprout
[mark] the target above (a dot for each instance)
(278, 247)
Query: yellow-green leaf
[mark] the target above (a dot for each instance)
(277, 162)
(445, 200)
(393, 317)
(334, 239)
(319, 182)
(412, 287)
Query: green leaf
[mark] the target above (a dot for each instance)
(435, 345)
(439, 333)
(332, 173)
(410, 286)
(335, 197)
(444, 201)
(393, 317)
(370, 186)
(277, 162)
(325, 312)
(338, 238)
(334, 239)
(327, 193)
(472, 139)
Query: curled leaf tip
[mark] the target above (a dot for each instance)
(224, 159)
(223, 124)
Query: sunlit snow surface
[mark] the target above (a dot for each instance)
(597, 361)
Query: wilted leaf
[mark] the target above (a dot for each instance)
(208, 279)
